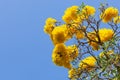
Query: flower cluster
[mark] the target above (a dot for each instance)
(70, 14)
(109, 14)
(49, 26)
(80, 24)
(62, 55)
(104, 35)
(86, 64)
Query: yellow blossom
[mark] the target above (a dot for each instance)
(79, 34)
(117, 20)
(60, 56)
(88, 10)
(108, 14)
(72, 28)
(49, 25)
(67, 64)
(72, 73)
(85, 13)
(105, 34)
(60, 34)
(78, 20)
(70, 14)
(88, 63)
(72, 52)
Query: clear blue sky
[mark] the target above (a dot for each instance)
(25, 51)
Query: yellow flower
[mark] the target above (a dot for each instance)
(117, 20)
(70, 14)
(85, 13)
(79, 34)
(105, 34)
(60, 56)
(83, 16)
(72, 28)
(88, 10)
(67, 64)
(72, 73)
(108, 14)
(72, 52)
(78, 20)
(88, 63)
(49, 25)
(60, 34)
(108, 53)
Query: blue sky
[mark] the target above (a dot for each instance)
(25, 50)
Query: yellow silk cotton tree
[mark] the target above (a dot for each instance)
(96, 53)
